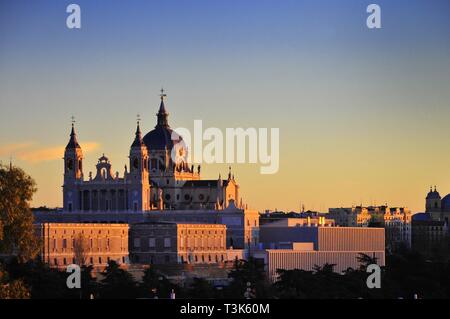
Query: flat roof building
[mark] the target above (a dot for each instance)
(177, 242)
(290, 245)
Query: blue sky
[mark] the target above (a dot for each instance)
(339, 92)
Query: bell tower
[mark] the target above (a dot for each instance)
(138, 177)
(73, 172)
(433, 201)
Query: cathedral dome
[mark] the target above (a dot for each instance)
(162, 136)
(433, 194)
(445, 204)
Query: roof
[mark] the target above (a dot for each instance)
(138, 138)
(160, 138)
(421, 217)
(73, 143)
(433, 194)
(445, 203)
(204, 183)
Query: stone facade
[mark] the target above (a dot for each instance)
(83, 244)
(169, 243)
(241, 224)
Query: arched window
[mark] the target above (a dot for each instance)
(69, 164)
(153, 163)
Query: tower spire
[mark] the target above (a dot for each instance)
(162, 113)
(73, 143)
(138, 135)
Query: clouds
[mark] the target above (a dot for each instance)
(32, 152)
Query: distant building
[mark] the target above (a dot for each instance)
(439, 208)
(324, 237)
(429, 236)
(395, 220)
(290, 223)
(169, 243)
(290, 245)
(350, 217)
(83, 244)
(270, 217)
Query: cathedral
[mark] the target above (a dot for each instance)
(158, 177)
(439, 208)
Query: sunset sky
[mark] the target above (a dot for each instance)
(363, 114)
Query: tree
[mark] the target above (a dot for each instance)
(79, 250)
(16, 219)
(365, 260)
(155, 284)
(12, 289)
(44, 282)
(88, 282)
(201, 289)
(118, 283)
(248, 273)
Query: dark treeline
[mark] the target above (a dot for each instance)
(406, 275)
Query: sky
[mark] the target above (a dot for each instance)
(363, 113)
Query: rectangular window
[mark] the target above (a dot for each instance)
(151, 242)
(167, 242)
(137, 242)
(64, 243)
